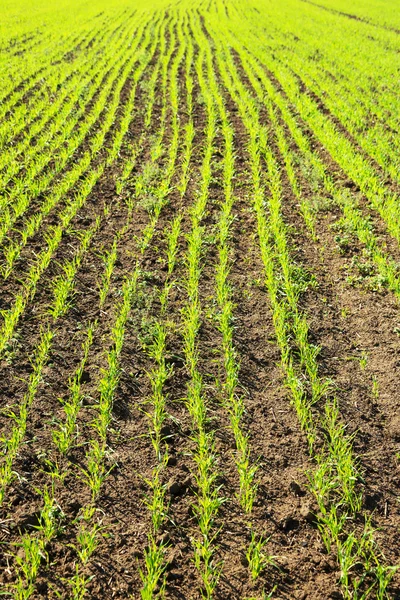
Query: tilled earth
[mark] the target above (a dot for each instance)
(353, 320)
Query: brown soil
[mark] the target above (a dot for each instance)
(347, 322)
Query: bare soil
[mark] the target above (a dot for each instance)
(348, 323)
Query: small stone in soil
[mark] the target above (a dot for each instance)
(289, 524)
(177, 488)
(296, 489)
(307, 513)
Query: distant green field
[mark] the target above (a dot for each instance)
(200, 284)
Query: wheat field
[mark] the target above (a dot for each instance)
(200, 283)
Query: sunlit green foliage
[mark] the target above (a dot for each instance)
(154, 102)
